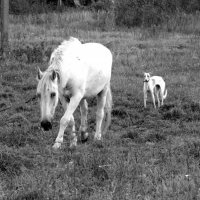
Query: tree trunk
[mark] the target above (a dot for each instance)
(4, 24)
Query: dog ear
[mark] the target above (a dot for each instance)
(145, 74)
(39, 74)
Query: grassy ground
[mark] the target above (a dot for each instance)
(147, 154)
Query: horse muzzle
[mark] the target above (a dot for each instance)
(46, 125)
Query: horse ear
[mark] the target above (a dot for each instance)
(39, 74)
(53, 75)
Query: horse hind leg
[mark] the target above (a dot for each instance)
(157, 91)
(83, 126)
(108, 109)
(101, 102)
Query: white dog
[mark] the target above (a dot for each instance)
(156, 85)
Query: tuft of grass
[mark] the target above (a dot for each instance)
(174, 114)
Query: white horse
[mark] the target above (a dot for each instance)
(76, 71)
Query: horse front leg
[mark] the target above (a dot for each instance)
(65, 103)
(65, 120)
(101, 101)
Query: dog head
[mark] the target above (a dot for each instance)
(146, 77)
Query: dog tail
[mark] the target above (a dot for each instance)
(165, 95)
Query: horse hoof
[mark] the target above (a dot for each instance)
(57, 145)
(84, 136)
(97, 138)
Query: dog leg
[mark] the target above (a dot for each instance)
(162, 98)
(164, 94)
(145, 95)
(153, 98)
(145, 99)
(157, 95)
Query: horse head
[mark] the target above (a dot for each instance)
(47, 93)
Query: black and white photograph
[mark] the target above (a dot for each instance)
(99, 99)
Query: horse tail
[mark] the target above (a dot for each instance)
(108, 109)
(165, 95)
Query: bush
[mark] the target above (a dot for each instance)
(139, 13)
(19, 6)
(190, 6)
(150, 12)
(32, 6)
(151, 15)
(127, 13)
(106, 5)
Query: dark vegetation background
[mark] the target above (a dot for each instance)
(128, 13)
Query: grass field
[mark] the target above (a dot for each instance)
(146, 154)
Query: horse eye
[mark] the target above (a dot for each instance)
(53, 94)
(38, 95)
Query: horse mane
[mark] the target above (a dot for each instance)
(67, 46)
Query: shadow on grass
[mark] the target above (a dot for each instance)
(35, 195)
(17, 135)
(11, 165)
(143, 136)
(187, 111)
(193, 149)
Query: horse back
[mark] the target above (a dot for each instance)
(89, 69)
(97, 56)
